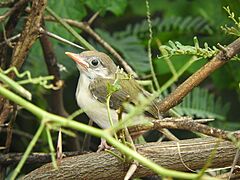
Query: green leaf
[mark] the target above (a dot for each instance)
(117, 7)
(202, 104)
(73, 9)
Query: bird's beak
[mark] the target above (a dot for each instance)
(78, 59)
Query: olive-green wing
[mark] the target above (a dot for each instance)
(128, 92)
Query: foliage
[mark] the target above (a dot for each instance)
(232, 30)
(202, 104)
(181, 25)
(123, 25)
(176, 48)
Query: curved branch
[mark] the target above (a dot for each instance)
(185, 123)
(194, 80)
(194, 153)
(57, 104)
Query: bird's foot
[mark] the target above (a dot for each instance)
(103, 146)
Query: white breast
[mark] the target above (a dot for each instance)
(94, 109)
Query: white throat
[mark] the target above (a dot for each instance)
(93, 108)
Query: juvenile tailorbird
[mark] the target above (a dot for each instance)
(97, 70)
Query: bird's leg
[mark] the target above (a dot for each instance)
(103, 145)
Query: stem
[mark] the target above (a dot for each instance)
(75, 114)
(109, 110)
(179, 73)
(166, 58)
(51, 147)
(60, 121)
(15, 86)
(149, 46)
(70, 29)
(109, 114)
(28, 151)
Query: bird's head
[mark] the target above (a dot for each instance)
(94, 64)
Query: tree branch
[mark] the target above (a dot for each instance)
(34, 158)
(194, 80)
(194, 153)
(185, 124)
(51, 61)
(29, 34)
(12, 10)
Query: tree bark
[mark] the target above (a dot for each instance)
(29, 34)
(194, 153)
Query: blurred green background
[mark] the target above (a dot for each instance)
(123, 25)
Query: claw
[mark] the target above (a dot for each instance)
(103, 145)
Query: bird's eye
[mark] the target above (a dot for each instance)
(94, 62)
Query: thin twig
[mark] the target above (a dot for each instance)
(149, 46)
(167, 60)
(86, 139)
(94, 16)
(70, 29)
(179, 73)
(5, 38)
(10, 127)
(85, 27)
(59, 38)
(28, 151)
(56, 103)
(186, 124)
(21, 134)
(13, 9)
(10, 39)
(234, 164)
(134, 164)
(51, 147)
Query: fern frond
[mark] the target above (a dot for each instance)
(201, 104)
(178, 24)
(176, 48)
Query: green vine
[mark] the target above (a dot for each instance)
(176, 48)
(42, 81)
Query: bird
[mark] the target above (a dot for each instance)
(97, 71)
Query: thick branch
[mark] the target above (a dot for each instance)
(219, 60)
(34, 158)
(52, 66)
(29, 34)
(194, 153)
